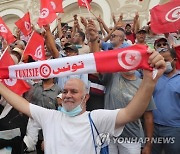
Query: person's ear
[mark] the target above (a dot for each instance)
(87, 97)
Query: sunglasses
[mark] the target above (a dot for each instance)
(161, 44)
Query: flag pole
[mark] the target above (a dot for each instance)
(80, 10)
(88, 8)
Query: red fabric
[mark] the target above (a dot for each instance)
(85, 3)
(35, 47)
(165, 18)
(5, 32)
(178, 57)
(47, 14)
(125, 59)
(5, 60)
(57, 6)
(131, 37)
(24, 24)
(17, 86)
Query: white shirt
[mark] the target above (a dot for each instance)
(67, 135)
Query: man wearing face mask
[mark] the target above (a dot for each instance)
(120, 89)
(42, 94)
(65, 134)
(167, 100)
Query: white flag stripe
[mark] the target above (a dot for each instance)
(54, 68)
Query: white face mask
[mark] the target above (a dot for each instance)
(168, 67)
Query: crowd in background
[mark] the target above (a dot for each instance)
(107, 91)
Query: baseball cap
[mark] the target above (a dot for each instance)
(127, 25)
(160, 39)
(141, 30)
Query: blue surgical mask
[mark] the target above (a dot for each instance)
(168, 67)
(73, 112)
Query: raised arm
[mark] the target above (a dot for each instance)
(59, 28)
(148, 128)
(18, 102)
(100, 20)
(136, 23)
(93, 37)
(51, 42)
(140, 101)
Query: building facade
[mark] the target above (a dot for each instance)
(12, 10)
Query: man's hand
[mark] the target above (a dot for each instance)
(146, 150)
(156, 61)
(92, 31)
(136, 17)
(84, 21)
(99, 19)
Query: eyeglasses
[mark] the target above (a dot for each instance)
(113, 35)
(161, 44)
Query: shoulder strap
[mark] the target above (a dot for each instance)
(92, 124)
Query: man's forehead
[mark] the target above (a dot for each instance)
(74, 83)
(117, 32)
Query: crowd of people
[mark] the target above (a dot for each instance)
(67, 114)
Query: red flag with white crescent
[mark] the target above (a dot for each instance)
(35, 47)
(57, 6)
(166, 18)
(126, 59)
(5, 32)
(24, 24)
(130, 58)
(85, 3)
(17, 86)
(47, 14)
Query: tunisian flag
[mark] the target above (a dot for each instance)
(35, 47)
(85, 3)
(47, 14)
(24, 24)
(57, 6)
(178, 57)
(17, 86)
(5, 32)
(165, 18)
(125, 59)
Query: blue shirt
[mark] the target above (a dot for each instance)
(167, 100)
(109, 46)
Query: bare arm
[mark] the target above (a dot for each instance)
(114, 18)
(59, 28)
(140, 101)
(149, 128)
(136, 23)
(51, 42)
(74, 29)
(101, 26)
(18, 102)
(91, 31)
(99, 19)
